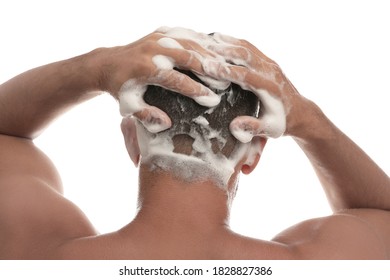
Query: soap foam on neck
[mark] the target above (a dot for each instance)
(157, 150)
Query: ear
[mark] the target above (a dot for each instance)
(130, 136)
(254, 154)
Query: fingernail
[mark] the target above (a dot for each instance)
(225, 38)
(156, 124)
(242, 132)
(213, 83)
(209, 100)
(212, 67)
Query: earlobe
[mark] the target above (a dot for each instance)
(130, 136)
(247, 168)
(254, 154)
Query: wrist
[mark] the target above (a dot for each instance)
(309, 123)
(87, 68)
(106, 68)
(74, 78)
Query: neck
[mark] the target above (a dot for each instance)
(167, 201)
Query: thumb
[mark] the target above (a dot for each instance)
(153, 119)
(244, 128)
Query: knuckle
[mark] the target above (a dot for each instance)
(149, 47)
(169, 79)
(244, 43)
(155, 36)
(243, 53)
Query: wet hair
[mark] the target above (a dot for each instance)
(183, 111)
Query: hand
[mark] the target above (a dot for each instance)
(281, 105)
(127, 71)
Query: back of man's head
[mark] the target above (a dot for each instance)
(199, 143)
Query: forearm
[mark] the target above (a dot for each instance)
(31, 100)
(350, 178)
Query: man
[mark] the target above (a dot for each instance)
(185, 188)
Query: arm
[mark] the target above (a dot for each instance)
(357, 189)
(34, 216)
(349, 177)
(30, 101)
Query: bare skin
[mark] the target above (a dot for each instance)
(186, 222)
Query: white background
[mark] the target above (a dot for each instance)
(335, 52)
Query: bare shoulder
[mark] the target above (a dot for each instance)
(350, 234)
(34, 215)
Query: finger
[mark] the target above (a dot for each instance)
(183, 84)
(162, 29)
(237, 55)
(244, 128)
(180, 58)
(223, 38)
(131, 97)
(153, 119)
(220, 37)
(182, 33)
(195, 63)
(188, 55)
(224, 71)
(243, 76)
(214, 83)
(243, 57)
(188, 59)
(130, 136)
(186, 39)
(200, 47)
